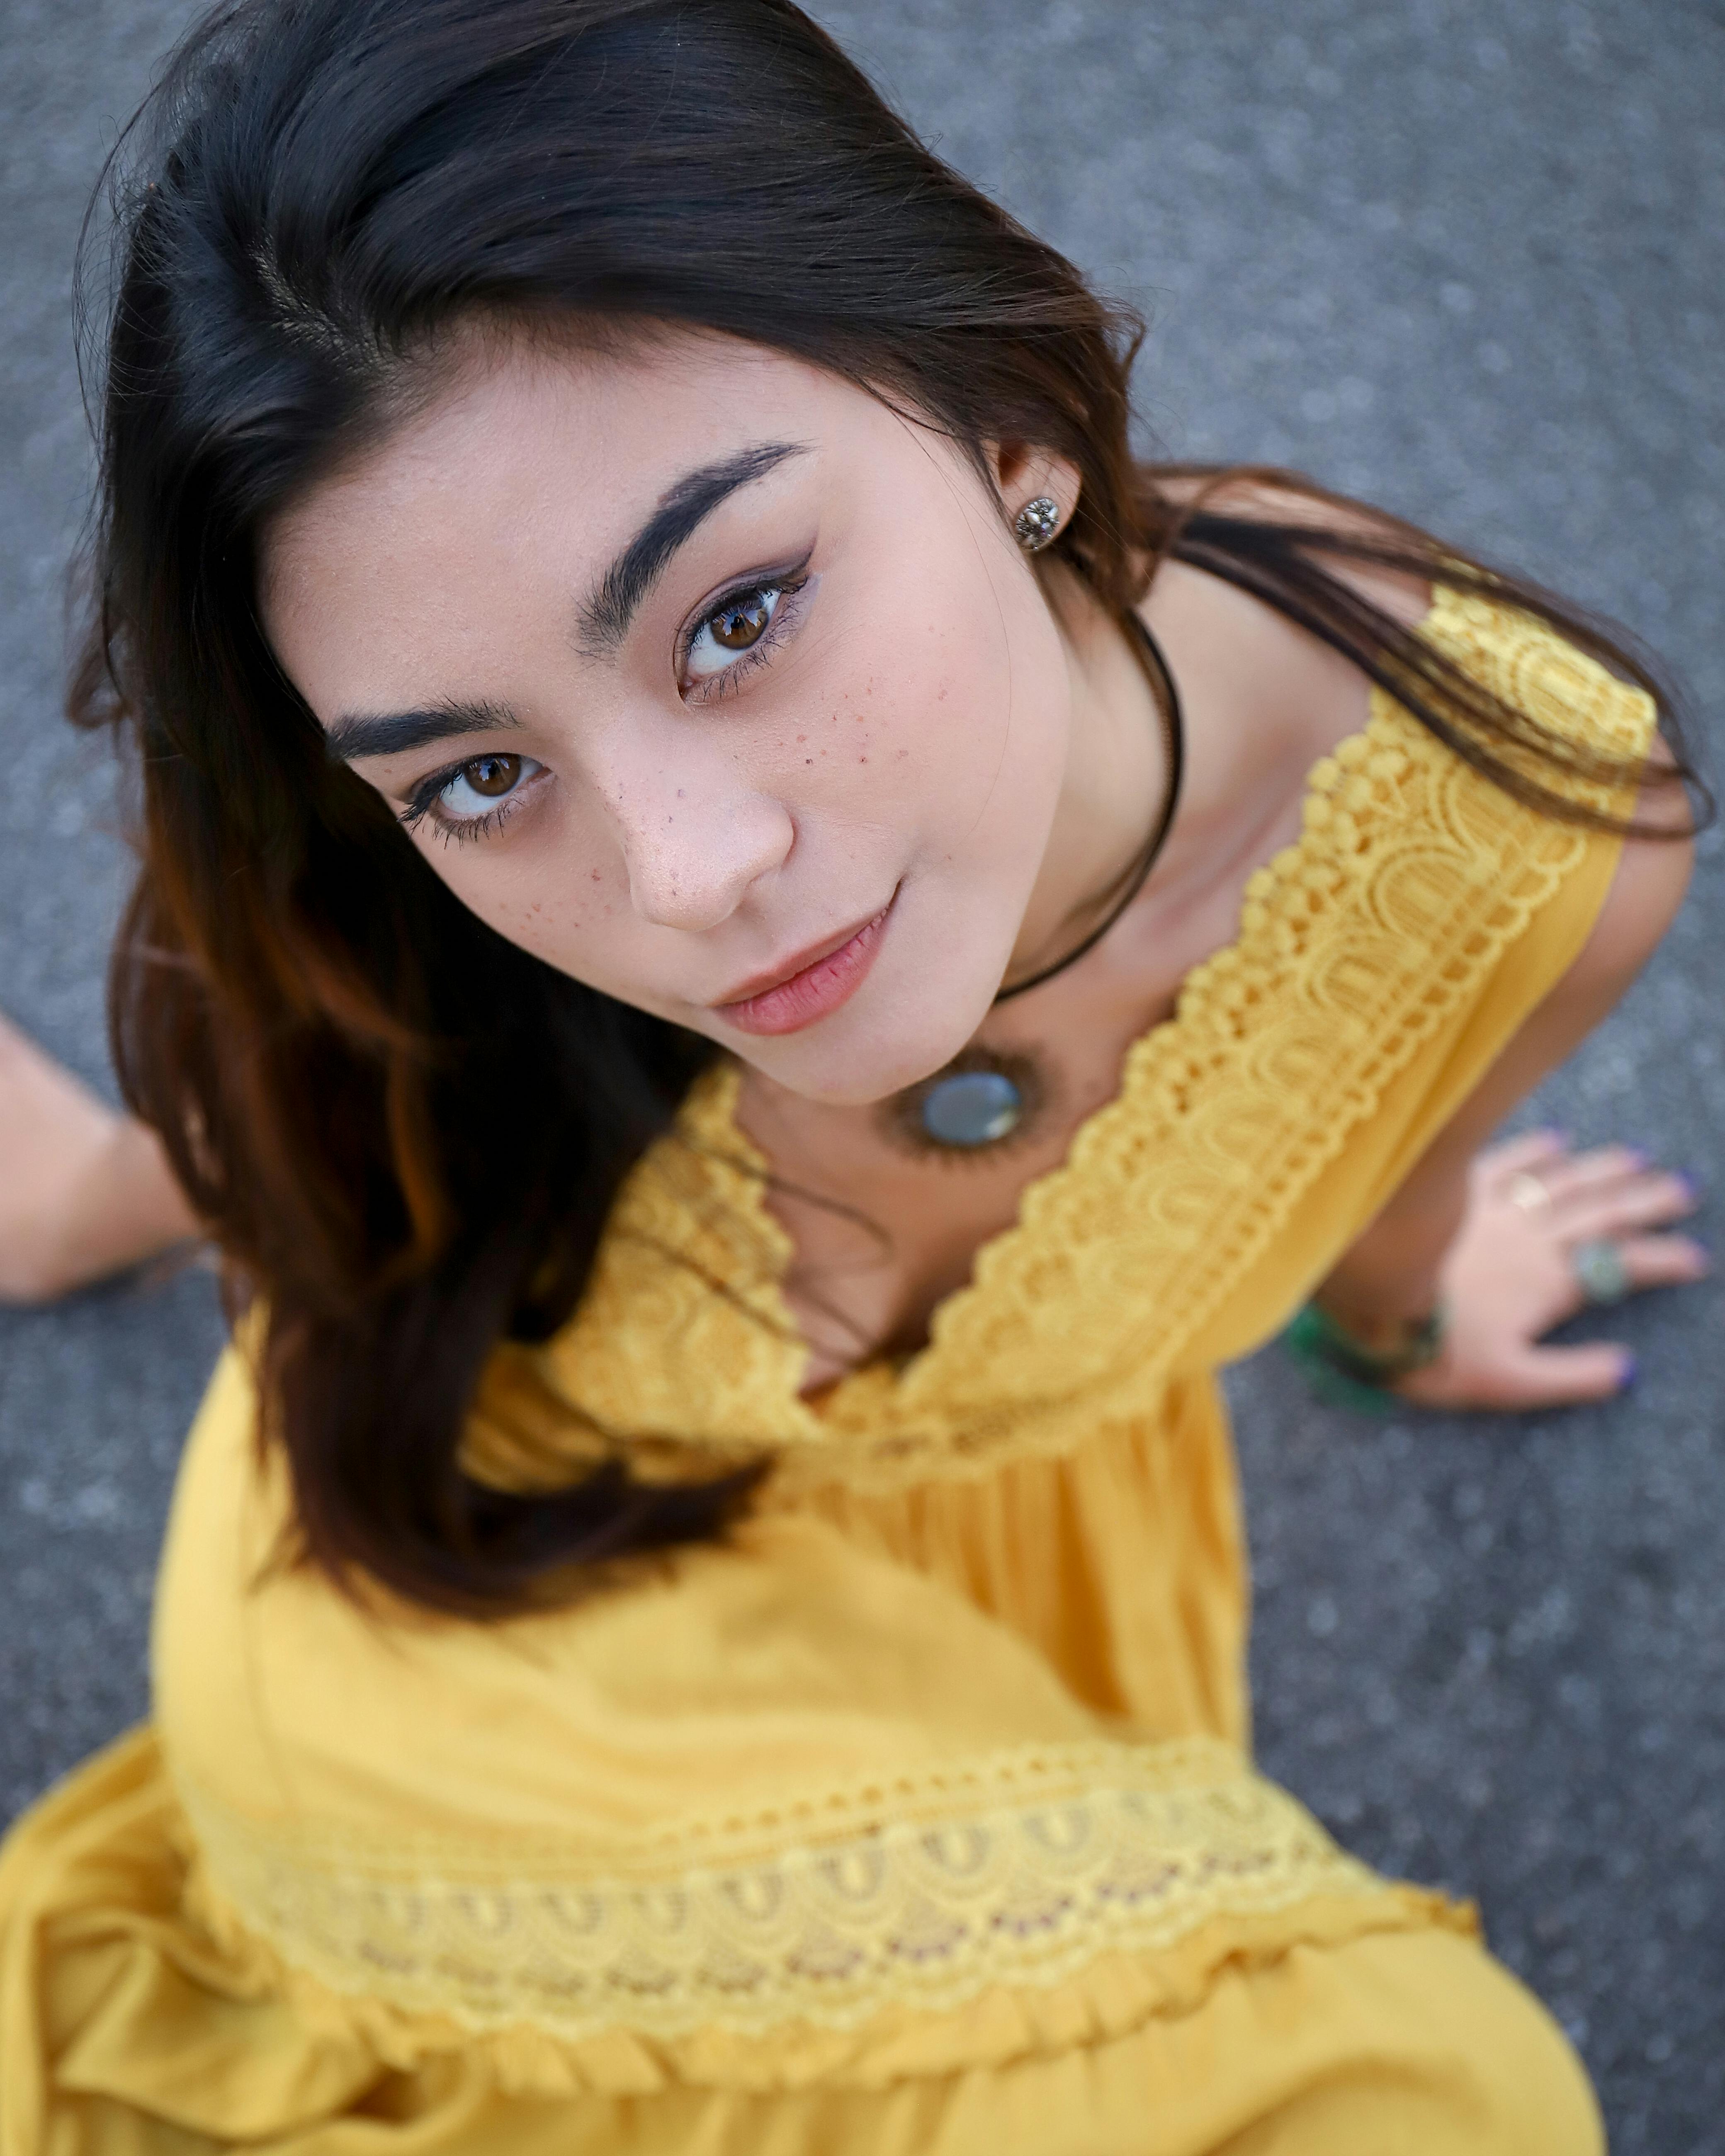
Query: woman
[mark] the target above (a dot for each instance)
(762, 954)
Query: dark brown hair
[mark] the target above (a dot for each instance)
(405, 1131)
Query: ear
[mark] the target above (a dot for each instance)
(1023, 471)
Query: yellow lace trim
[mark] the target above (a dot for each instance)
(1413, 876)
(1062, 1857)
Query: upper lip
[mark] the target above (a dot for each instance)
(758, 984)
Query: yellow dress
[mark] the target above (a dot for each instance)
(917, 1819)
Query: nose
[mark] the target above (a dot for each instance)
(695, 837)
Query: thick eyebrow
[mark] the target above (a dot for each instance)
(359, 734)
(604, 621)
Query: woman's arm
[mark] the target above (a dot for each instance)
(84, 1192)
(1492, 1232)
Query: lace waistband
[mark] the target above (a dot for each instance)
(1018, 1869)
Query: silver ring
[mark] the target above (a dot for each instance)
(1599, 1272)
(1528, 1191)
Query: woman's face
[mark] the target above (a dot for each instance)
(707, 678)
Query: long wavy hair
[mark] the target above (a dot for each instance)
(315, 193)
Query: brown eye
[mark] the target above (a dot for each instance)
(741, 622)
(480, 794)
(734, 627)
(492, 776)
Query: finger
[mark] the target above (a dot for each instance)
(1566, 1377)
(1600, 1166)
(1617, 1209)
(1519, 1156)
(1664, 1260)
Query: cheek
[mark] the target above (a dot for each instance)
(540, 889)
(957, 739)
(940, 727)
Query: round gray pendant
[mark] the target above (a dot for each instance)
(972, 1108)
(983, 1097)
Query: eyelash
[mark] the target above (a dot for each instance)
(460, 830)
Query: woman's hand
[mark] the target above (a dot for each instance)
(84, 1193)
(1510, 1275)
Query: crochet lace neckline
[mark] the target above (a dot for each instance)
(711, 1116)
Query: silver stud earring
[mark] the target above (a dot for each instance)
(1037, 523)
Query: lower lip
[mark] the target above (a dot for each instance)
(816, 992)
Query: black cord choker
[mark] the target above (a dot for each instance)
(1167, 697)
(985, 1096)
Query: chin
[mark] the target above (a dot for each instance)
(852, 1062)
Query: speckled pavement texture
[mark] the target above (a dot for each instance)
(1467, 258)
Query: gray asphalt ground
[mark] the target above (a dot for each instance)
(1465, 257)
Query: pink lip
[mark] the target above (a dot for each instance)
(816, 988)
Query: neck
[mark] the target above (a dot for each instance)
(1114, 787)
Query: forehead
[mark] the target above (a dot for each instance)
(520, 432)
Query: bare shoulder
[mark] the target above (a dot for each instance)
(1261, 676)
(1269, 685)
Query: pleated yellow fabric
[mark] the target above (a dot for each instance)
(919, 1816)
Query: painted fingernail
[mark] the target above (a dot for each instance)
(1631, 1371)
